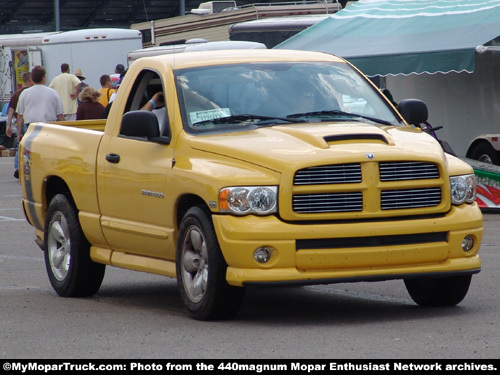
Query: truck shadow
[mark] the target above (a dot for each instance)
(284, 306)
(331, 304)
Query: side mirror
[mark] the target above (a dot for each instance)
(143, 124)
(414, 111)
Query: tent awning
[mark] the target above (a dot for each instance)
(391, 37)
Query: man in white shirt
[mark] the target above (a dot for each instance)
(38, 103)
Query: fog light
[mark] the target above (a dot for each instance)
(467, 243)
(262, 254)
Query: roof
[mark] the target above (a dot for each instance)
(58, 37)
(38, 15)
(28, 15)
(231, 56)
(278, 23)
(391, 37)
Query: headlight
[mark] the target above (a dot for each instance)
(244, 200)
(463, 189)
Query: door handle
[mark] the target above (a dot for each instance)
(113, 158)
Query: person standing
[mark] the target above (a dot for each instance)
(68, 87)
(12, 114)
(106, 89)
(37, 103)
(120, 69)
(81, 77)
(90, 108)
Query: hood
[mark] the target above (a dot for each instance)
(317, 143)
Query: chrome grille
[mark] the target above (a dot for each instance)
(328, 202)
(407, 170)
(410, 198)
(328, 174)
(320, 189)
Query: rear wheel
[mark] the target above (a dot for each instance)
(438, 292)
(67, 252)
(201, 270)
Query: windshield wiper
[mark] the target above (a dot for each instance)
(244, 118)
(338, 112)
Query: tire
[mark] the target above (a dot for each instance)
(438, 292)
(485, 153)
(201, 270)
(67, 252)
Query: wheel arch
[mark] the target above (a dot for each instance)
(480, 141)
(56, 185)
(483, 146)
(187, 201)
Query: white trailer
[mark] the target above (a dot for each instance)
(94, 51)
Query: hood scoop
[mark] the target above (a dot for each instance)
(364, 137)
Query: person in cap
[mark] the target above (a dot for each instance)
(81, 77)
(120, 69)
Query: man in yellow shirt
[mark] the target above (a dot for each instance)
(106, 89)
(67, 86)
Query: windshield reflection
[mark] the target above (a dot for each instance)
(237, 96)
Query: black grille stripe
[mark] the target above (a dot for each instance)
(338, 243)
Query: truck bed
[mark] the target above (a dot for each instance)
(62, 151)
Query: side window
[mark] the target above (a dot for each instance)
(147, 84)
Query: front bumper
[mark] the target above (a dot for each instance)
(349, 251)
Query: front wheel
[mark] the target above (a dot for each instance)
(438, 292)
(201, 270)
(67, 252)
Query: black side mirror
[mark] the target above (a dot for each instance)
(143, 124)
(414, 111)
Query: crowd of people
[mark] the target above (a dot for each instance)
(66, 98)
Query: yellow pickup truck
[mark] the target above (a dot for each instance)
(265, 168)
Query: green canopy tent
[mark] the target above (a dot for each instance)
(391, 37)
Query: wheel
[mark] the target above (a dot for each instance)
(438, 292)
(201, 270)
(486, 154)
(67, 252)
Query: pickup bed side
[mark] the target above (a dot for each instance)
(55, 171)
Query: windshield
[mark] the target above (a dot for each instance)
(245, 96)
